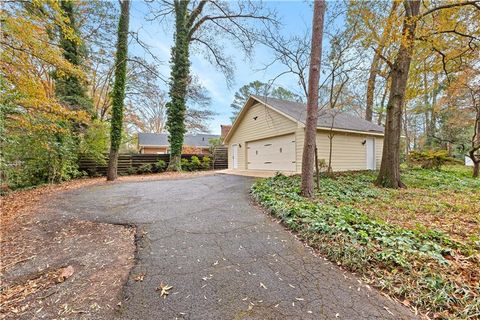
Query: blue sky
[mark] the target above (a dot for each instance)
(295, 17)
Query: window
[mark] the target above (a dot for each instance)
(280, 150)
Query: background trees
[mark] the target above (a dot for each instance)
(260, 89)
(37, 144)
(58, 75)
(196, 25)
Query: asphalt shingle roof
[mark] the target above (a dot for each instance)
(161, 139)
(341, 120)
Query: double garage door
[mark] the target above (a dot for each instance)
(277, 153)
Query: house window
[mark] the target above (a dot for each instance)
(256, 151)
(280, 150)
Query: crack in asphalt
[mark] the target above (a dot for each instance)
(224, 257)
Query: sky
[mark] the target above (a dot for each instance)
(295, 17)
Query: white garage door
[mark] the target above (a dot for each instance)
(277, 153)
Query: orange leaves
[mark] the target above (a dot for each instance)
(28, 60)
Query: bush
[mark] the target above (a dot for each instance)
(185, 164)
(39, 157)
(195, 164)
(132, 170)
(145, 168)
(161, 166)
(206, 163)
(430, 159)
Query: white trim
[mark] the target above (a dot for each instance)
(235, 156)
(242, 111)
(352, 131)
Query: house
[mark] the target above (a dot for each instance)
(224, 129)
(158, 143)
(268, 134)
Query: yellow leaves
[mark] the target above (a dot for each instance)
(28, 60)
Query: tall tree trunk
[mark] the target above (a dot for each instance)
(180, 73)
(118, 93)
(308, 157)
(374, 67)
(389, 175)
(371, 85)
(426, 103)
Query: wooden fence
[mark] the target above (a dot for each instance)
(126, 162)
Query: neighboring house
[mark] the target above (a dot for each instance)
(268, 134)
(224, 129)
(158, 143)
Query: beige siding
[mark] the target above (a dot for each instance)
(378, 151)
(300, 139)
(268, 123)
(348, 152)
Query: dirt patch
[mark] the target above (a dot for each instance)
(56, 267)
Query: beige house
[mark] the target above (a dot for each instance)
(268, 134)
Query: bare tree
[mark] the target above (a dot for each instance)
(308, 157)
(198, 25)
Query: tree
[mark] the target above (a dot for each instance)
(260, 89)
(375, 66)
(37, 145)
(340, 62)
(118, 93)
(308, 157)
(463, 106)
(389, 175)
(70, 89)
(196, 25)
(439, 38)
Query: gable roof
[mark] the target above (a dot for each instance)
(341, 120)
(161, 139)
(297, 112)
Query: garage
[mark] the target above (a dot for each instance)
(275, 153)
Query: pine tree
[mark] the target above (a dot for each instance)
(118, 93)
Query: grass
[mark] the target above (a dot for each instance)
(419, 244)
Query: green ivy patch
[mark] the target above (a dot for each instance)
(414, 265)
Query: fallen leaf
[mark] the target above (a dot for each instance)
(164, 290)
(139, 277)
(65, 273)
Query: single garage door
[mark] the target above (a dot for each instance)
(277, 153)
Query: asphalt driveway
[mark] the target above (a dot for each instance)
(223, 257)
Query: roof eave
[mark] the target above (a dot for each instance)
(373, 133)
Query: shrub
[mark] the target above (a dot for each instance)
(430, 159)
(206, 163)
(145, 168)
(195, 163)
(132, 170)
(185, 164)
(161, 165)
